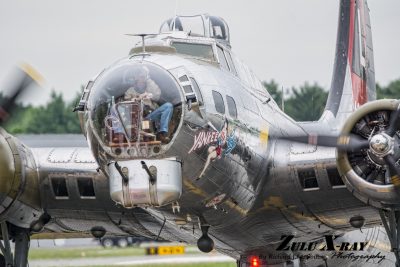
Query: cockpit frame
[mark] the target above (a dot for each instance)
(213, 27)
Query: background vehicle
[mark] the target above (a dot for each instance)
(123, 241)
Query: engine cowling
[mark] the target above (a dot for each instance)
(19, 189)
(366, 172)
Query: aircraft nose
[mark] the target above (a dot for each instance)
(135, 110)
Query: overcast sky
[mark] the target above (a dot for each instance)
(290, 41)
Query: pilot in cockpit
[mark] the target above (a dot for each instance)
(145, 89)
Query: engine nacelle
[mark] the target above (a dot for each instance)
(365, 172)
(19, 186)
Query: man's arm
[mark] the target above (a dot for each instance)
(153, 88)
(130, 94)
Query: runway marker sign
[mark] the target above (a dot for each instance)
(165, 250)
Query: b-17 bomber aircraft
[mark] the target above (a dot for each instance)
(185, 144)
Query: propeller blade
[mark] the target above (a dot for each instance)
(24, 77)
(343, 142)
(394, 123)
(394, 170)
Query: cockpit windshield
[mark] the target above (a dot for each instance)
(194, 49)
(135, 108)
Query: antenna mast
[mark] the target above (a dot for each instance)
(142, 35)
(143, 44)
(176, 14)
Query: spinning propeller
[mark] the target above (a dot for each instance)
(341, 142)
(369, 142)
(23, 77)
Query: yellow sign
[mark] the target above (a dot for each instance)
(151, 251)
(165, 250)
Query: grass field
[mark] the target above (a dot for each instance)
(90, 252)
(65, 253)
(84, 252)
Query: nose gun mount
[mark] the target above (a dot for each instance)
(149, 183)
(151, 172)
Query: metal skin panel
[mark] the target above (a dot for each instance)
(139, 190)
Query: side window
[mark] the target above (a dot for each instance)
(197, 91)
(231, 107)
(222, 59)
(85, 187)
(230, 62)
(334, 177)
(218, 102)
(308, 179)
(183, 78)
(187, 89)
(59, 186)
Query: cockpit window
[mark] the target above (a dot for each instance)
(219, 28)
(199, 25)
(191, 24)
(194, 25)
(135, 108)
(196, 50)
(230, 62)
(222, 59)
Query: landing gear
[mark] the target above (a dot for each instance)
(2, 260)
(6, 247)
(22, 239)
(205, 243)
(391, 221)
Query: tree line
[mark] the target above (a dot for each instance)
(54, 117)
(305, 103)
